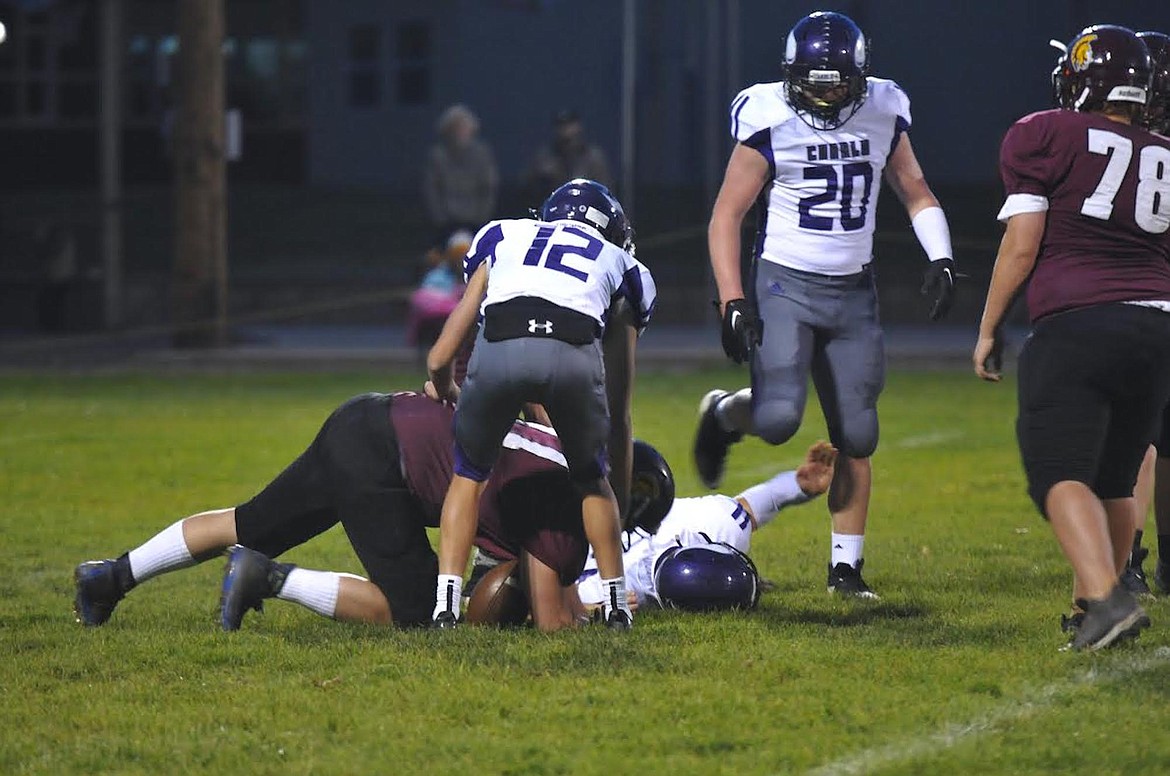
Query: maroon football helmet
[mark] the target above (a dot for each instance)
(1157, 118)
(1104, 63)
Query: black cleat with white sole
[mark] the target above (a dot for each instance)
(846, 581)
(711, 441)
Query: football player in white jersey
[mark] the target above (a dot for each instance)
(546, 288)
(704, 521)
(812, 149)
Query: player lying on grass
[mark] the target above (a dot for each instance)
(380, 466)
(660, 525)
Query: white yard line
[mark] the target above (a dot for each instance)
(1013, 710)
(905, 443)
(925, 440)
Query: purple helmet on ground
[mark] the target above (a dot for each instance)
(711, 577)
(592, 204)
(1157, 117)
(1104, 63)
(651, 489)
(826, 61)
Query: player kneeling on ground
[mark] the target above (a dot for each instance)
(380, 466)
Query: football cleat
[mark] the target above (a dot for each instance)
(846, 581)
(445, 620)
(1162, 577)
(1070, 623)
(619, 620)
(1110, 619)
(98, 592)
(711, 441)
(1133, 578)
(248, 579)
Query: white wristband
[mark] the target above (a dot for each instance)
(930, 227)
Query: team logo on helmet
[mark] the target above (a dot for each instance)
(1080, 54)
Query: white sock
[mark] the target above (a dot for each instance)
(615, 591)
(847, 548)
(315, 590)
(768, 498)
(165, 551)
(448, 593)
(723, 408)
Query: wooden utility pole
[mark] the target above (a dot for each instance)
(200, 276)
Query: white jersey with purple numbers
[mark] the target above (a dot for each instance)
(564, 262)
(824, 186)
(691, 522)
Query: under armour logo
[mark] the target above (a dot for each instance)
(543, 328)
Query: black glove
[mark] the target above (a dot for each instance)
(938, 282)
(742, 330)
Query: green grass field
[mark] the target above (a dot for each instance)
(956, 670)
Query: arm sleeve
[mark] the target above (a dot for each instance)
(637, 287)
(483, 248)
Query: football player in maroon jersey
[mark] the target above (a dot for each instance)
(1088, 231)
(380, 466)
(1153, 482)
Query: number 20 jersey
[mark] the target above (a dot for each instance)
(1105, 187)
(819, 207)
(563, 262)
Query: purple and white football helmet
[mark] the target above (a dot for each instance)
(710, 577)
(826, 62)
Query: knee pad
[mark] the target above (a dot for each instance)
(857, 436)
(776, 421)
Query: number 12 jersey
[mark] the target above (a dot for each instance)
(819, 205)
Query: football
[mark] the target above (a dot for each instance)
(499, 598)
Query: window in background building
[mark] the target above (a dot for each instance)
(48, 65)
(365, 72)
(415, 55)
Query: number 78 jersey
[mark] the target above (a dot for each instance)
(1104, 187)
(822, 199)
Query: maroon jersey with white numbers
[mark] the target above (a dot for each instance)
(1106, 188)
(529, 502)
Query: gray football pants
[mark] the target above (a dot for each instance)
(569, 380)
(828, 327)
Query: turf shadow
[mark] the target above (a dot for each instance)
(853, 616)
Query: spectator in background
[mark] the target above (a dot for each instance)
(461, 179)
(439, 291)
(569, 155)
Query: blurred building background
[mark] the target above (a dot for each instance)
(338, 101)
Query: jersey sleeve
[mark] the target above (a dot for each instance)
(1025, 164)
(751, 118)
(483, 248)
(638, 288)
(900, 104)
